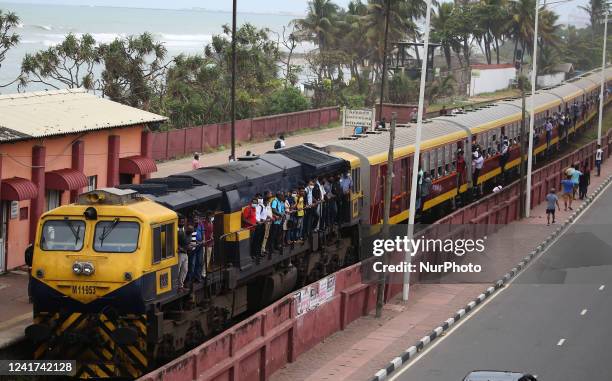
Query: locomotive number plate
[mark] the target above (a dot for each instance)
(79, 289)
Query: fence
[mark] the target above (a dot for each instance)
(176, 143)
(257, 347)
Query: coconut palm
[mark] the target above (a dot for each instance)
(318, 25)
(442, 33)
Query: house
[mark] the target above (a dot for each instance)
(57, 144)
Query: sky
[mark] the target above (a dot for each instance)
(568, 11)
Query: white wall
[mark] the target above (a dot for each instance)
(550, 79)
(491, 80)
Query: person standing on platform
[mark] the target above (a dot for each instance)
(598, 159)
(576, 179)
(584, 181)
(568, 189)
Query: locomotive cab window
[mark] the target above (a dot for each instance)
(62, 235)
(163, 242)
(116, 236)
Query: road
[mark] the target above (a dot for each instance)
(554, 320)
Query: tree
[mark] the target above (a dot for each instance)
(521, 24)
(318, 25)
(285, 99)
(595, 9)
(133, 67)
(70, 64)
(8, 39)
(442, 33)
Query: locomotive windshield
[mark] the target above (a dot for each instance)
(62, 235)
(116, 236)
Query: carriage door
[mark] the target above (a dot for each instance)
(4, 208)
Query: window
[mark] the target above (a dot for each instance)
(53, 199)
(116, 236)
(62, 235)
(92, 183)
(163, 242)
(356, 177)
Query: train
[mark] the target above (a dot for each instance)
(104, 270)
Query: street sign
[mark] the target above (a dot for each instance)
(358, 118)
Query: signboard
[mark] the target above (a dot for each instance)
(358, 118)
(309, 298)
(14, 209)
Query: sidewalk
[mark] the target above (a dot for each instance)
(182, 165)
(16, 311)
(368, 344)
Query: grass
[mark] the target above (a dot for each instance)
(591, 134)
(480, 98)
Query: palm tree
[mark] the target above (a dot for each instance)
(401, 24)
(441, 33)
(318, 25)
(521, 24)
(595, 9)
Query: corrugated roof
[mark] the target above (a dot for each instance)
(47, 113)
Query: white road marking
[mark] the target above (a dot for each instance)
(560, 343)
(583, 312)
(473, 313)
(602, 287)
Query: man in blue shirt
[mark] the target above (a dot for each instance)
(551, 201)
(568, 189)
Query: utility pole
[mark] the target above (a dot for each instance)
(380, 290)
(521, 82)
(233, 92)
(603, 78)
(384, 67)
(534, 79)
(417, 152)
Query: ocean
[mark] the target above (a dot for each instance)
(182, 31)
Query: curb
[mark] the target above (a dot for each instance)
(412, 352)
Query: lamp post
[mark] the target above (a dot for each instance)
(417, 150)
(233, 91)
(534, 77)
(384, 63)
(603, 78)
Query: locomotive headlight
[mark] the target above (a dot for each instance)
(77, 268)
(88, 268)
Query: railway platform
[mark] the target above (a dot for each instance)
(368, 344)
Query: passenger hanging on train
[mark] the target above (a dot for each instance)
(346, 184)
(504, 155)
(265, 244)
(287, 221)
(317, 196)
(548, 127)
(322, 208)
(249, 221)
(183, 248)
(299, 220)
(477, 163)
(197, 238)
(419, 190)
(278, 211)
(209, 240)
(261, 218)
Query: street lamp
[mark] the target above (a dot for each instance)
(384, 64)
(417, 151)
(534, 77)
(603, 77)
(233, 92)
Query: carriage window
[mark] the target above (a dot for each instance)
(62, 235)
(163, 242)
(116, 236)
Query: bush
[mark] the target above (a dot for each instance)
(284, 100)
